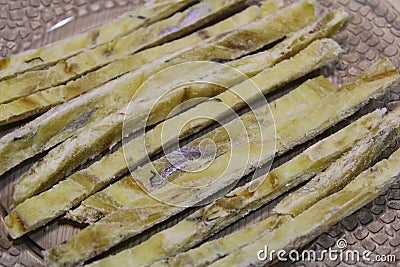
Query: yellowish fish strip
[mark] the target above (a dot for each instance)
(148, 14)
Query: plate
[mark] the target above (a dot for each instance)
(373, 32)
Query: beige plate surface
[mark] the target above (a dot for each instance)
(373, 32)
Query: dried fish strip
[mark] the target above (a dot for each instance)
(323, 215)
(47, 55)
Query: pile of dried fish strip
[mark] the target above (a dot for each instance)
(86, 105)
